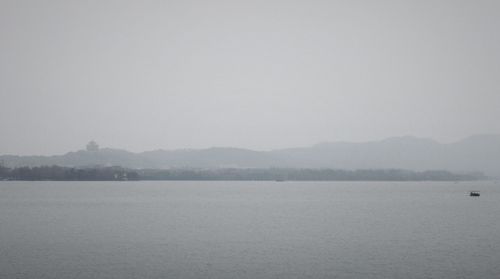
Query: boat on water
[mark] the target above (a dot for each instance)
(474, 194)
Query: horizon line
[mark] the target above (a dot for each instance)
(273, 149)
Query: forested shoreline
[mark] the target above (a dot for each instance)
(58, 173)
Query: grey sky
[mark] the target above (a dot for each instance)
(144, 75)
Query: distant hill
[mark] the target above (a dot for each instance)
(477, 153)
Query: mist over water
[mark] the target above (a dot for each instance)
(248, 230)
(401, 88)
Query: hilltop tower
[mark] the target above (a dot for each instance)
(92, 146)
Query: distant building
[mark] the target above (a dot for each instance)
(92, 146)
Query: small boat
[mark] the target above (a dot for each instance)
(474, 193)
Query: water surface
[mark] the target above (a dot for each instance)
(249, 230)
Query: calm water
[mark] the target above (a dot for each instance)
(249, 230)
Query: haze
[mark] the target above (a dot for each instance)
(143, 75)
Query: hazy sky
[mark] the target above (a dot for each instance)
(144, 75)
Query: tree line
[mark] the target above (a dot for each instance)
(282, 174)
(263, 174)
(68, 174)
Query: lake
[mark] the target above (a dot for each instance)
(170, 229)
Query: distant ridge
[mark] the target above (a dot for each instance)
(479, 153)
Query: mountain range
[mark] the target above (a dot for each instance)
(479, 153)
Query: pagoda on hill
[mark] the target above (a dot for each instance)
(92, 146)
